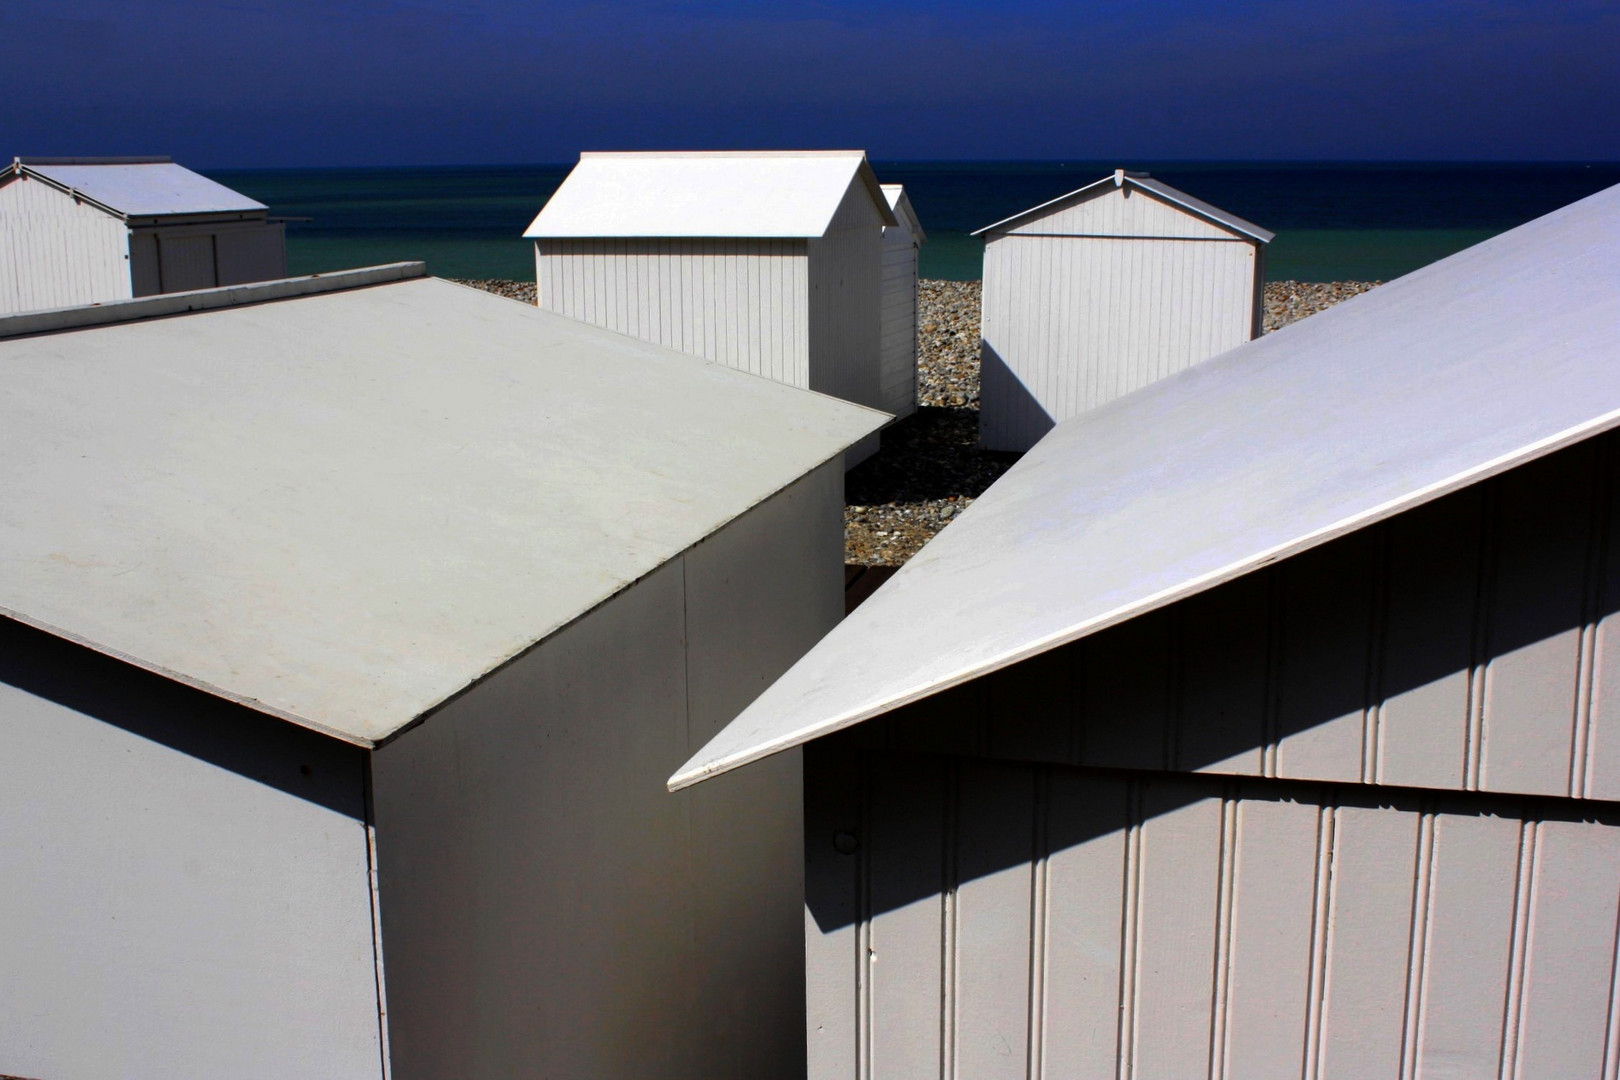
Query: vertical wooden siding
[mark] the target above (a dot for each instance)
(846, 298)
(1093, 301)
(1011, 920)
(1470, 644)
(742, 303)
(899, 375)
(57, 252)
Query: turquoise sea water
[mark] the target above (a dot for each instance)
(1334, 222)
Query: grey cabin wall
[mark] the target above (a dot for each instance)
(1471, 644)
(548, 908)
(187, 886)
(982, 919)
(1354, 815)
(846, 302)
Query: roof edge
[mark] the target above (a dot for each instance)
(53, 320)
(153, 159)
(1122, 177)
(690, 774)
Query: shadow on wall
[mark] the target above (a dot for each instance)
(1346, 664)
(1010, 417)
(289, 758)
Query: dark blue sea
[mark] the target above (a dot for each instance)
(1334, 222)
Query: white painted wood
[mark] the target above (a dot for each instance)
(1179, 906)
(900, 245)
(169, 912)
(1126, 184)
(55, 251)
(1369, 937)
(547, 907)
(742, 304)
(491, 472)
(768, 263)
(1294, 931)
(1393, 400)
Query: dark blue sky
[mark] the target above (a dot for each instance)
(228, 83)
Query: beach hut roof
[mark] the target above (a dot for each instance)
(137, 187)
(736, 194)
(1482, 362)
(1140, 181)
(900, 205)
(342, 505)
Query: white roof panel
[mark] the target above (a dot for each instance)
(755, 194)
(1495, 356)
(344, 508)
(146, 189)
(1143, 182)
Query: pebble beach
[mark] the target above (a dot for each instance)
(930, 467)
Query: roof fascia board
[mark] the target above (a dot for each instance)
(180, 303)
(1609, 422)
(20, 168)
(1156, 190)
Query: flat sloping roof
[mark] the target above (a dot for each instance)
(1489, 359)
(1142, 182)
(343, 508)
(150, 188)
(723, 194)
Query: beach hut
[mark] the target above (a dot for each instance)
(768, 262)
(349, 627)
(1104, 290)
(900, 244)
(89, 230)
(1264, 723)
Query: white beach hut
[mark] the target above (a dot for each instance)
(1104, 290)
(349, 627)
(901, 242)
(768, 262)
(89, 230)
(1295, 755)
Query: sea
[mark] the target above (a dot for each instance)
(1334, 221)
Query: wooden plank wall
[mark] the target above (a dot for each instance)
(1094, 301)
(742, 303)
(846, 270)
(56, 252)
(899, 320)
(1468, 645)
(973, 918)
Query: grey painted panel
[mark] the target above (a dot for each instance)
(836, 966)
(187, 883)
(1227, 929)
(253, 253)
(1278, 875)
(1221, 724)
(1128, 692)
(989, 930)
(1468, 940)
(1537, 607)
(1183, 874)
(1370, 923)
(1600, 772)
(1086, 842)
(548, 908)
(1570, 941)
(186, 260)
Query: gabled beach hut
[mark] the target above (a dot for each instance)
(901, 242)
(349, 627)
(89, 230)
(1102, 291)
(767, 262)
(1263, 723)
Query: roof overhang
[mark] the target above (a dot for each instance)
(1480, 363)
(1139, 182)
